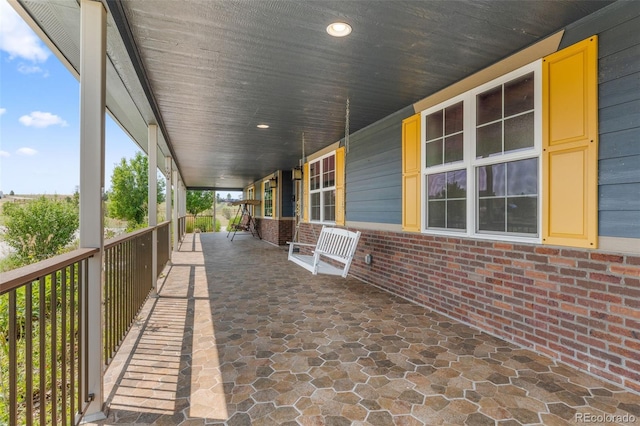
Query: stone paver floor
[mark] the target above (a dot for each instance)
(241, 336)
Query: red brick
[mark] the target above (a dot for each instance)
(620, 331)
(632, 370)
(625, 270)
(563, 261)
(574, 253)
(596, 276)
(610, 258)
(547, 250)
(592, 265)
(632, 385)
(606, 336)
(503, 246)
(635, 313)
(625, 352)
(568, 307)
(606, 297)
(633, 344)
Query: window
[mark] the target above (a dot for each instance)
(268, 199)
(481, 160)
(322, 189)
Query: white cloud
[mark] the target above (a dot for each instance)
(42, 119)
(2, 111)
(27, 151)
(4, 154)
(17, 39)
(32, 69)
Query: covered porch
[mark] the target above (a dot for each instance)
(238, 335)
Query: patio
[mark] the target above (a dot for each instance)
(241, 336)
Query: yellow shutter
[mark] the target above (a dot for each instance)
(274, 202)
(305, 192)
(411, 173)
(340, 199)
(570, 146)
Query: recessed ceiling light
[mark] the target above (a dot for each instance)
(262, 126)
(339, 29)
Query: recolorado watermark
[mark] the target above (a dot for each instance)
(605, 418)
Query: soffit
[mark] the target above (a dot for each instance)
(212, 70)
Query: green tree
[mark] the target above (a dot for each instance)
(129, 186)
(199, 201)
(39, 229)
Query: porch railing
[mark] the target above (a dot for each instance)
(43, 325)
(164, 249)
(127, 283)
(43, 330)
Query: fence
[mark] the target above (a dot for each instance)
(43, 325)
(204, 223)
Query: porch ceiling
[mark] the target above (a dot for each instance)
(209, 71)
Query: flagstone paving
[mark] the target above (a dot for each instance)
(241, 336)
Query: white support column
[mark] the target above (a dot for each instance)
(152, 141)
(168, 203)
(183, 206)
(176, 189)
(93, 52)
(215, 213)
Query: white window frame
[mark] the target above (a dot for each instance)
(470, 163)
(322, 190)
(266, 183)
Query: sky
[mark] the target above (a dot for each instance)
(39, 117)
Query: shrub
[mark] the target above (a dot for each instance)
(226, 212)
(39, 229)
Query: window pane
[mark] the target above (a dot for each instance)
(436, 214)
(518, 132)
(457, 214)
(518, 95)
(328, 164)
(314, 175)
(522, 177)
(489, 106)
(433, 124)
(457, 184)
(328, 179)
(453, 119)
(315, 206)
(491, 214)
(453, 148)
(328, 171)
(489, 140)
(436, 183)
(329, 199)
(491, 180)
(522, 215)
(434, 153)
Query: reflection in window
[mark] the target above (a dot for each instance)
(444, 135)
(497, 123)
(446, 200)
(508, 197)
(505, 117)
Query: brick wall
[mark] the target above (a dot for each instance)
(581, 307)
(276, 231)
